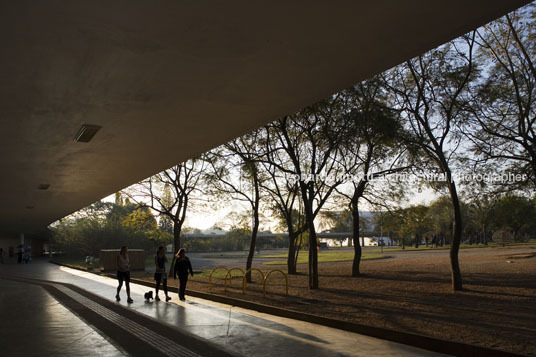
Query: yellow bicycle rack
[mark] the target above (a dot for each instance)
(231, 276)
(244, 280)
(210, 276)
(270, 273)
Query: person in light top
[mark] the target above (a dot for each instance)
(123, 273)
(160, 275)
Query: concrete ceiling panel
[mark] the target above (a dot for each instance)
(167, 80)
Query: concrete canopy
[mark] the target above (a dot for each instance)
(170, 79)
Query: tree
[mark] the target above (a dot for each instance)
(370, 148)
(432, 93)
(309, 140)
(503, 237)
(515, 214)
(441, 215)
(393, 222)
(140, 219)
(98, 226)
(504, 110)
(165, 222)
(240, 158)
(480, 209)
(413, 221)
(336, 221)
(284, 194)
(169, 192)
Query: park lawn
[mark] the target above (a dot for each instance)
(225, 256)
(324, 257)
(378, 250)
(462, 246)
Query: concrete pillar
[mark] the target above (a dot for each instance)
(20, 250)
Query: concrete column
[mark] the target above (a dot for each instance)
(20, 249)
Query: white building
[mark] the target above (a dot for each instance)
(369, 241)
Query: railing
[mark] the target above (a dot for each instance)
(270, 273)
(210, 276)
(228, 275)
(244, 280)
(231, 276)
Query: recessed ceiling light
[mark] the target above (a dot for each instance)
(29, 207)
(86, 133)
(43, 186)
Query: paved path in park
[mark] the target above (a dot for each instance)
(49, 310)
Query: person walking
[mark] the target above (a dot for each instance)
(182, 267)
(160, 275)
(123, 273)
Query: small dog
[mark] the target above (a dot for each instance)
(148, 295)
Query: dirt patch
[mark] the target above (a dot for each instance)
(521, 256)
(497, 308)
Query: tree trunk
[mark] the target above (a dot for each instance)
(177, 228)
(417, 238)
(254, 231)
(456, 238)
(313, 258)
(355, 237)
(291, 259)
(306, 190)
(298, 248)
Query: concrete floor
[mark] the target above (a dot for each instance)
(35, 323)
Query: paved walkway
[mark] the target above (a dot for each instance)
(48, 310)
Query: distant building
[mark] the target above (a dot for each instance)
(347, 242)
(214, 231)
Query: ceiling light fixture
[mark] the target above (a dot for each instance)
(43, 186)
(86, 133)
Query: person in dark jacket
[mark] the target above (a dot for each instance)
(182, 267)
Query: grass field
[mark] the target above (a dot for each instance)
(225, 256)
(323, 257)
(462, 246)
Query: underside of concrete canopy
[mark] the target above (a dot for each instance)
(168, 80)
